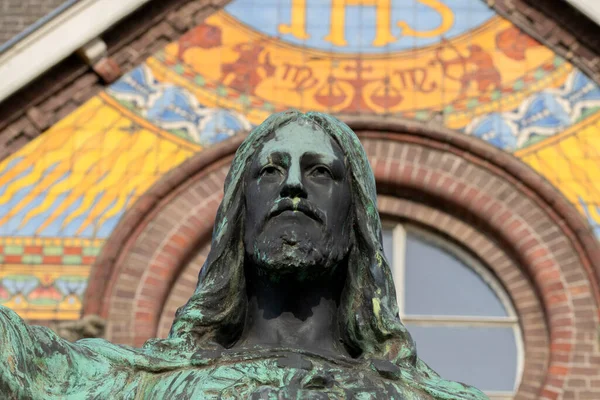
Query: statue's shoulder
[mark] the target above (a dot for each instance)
(100, 369)
(9, 316)
(36, 363)
(287, 373)
(266, 373)
(13, 330)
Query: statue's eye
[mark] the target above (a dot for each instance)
(321, 171)
(269, 170)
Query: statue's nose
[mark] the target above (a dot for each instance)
(293, 186)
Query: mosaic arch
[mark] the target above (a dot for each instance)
(453, 60)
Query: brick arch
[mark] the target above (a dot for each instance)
(478, 153)
(520, 289)
(499, 195)
(156, 250)
(183, 288)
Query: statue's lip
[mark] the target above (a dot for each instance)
(301, 206)
(291, 210)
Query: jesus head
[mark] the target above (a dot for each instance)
(297, 257)
(297, 203)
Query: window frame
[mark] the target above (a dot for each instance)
(398, 266)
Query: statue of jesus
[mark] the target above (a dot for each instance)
(295, 300)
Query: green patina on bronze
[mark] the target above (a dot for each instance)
(199, 358)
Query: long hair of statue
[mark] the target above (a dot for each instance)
(368, 314)
(369, 323)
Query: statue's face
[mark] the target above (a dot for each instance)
(298, 202)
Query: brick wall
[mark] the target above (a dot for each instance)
(16, 15)
(542, 271)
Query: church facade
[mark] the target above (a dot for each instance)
(481, 121)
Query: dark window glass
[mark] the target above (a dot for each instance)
(439, 280)
(438, 283)
(483, 357)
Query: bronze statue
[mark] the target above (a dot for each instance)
(295, 300)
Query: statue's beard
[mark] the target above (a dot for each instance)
(290, 251)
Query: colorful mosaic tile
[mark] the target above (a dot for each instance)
(49, 291)
(569, 160)
(30, 251)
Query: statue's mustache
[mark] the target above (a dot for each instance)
(297, 204)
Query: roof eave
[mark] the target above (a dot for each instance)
(58, 38)
(590, 9)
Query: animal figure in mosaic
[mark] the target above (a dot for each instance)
(513, 43)
(477, 68)
(248, 70)
(203, 36)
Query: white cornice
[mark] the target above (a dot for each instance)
(591, 8)
(59, 38)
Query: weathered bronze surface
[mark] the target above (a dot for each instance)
(295, 300)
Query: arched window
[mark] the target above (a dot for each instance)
(460, 317)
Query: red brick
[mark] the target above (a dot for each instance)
(557, 347)
(561, 357)
(159, 270)
(405, 173)
(549, 287)
(538, 254)
(561, 334)
(541, 265)
(180, 240)
(379, 168)
(163, 259)
(143, 316)
(482, 202)
(584, 371)
(549, 394)
(514, 225)
(503, 217)
(445, 184)
(528, 244)
(125, 294)
(558, 370)
(108, 69)
(154, 282)
(40, 119)
(458, 190)
(148, 291)
(434, 179)
(420, 176)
